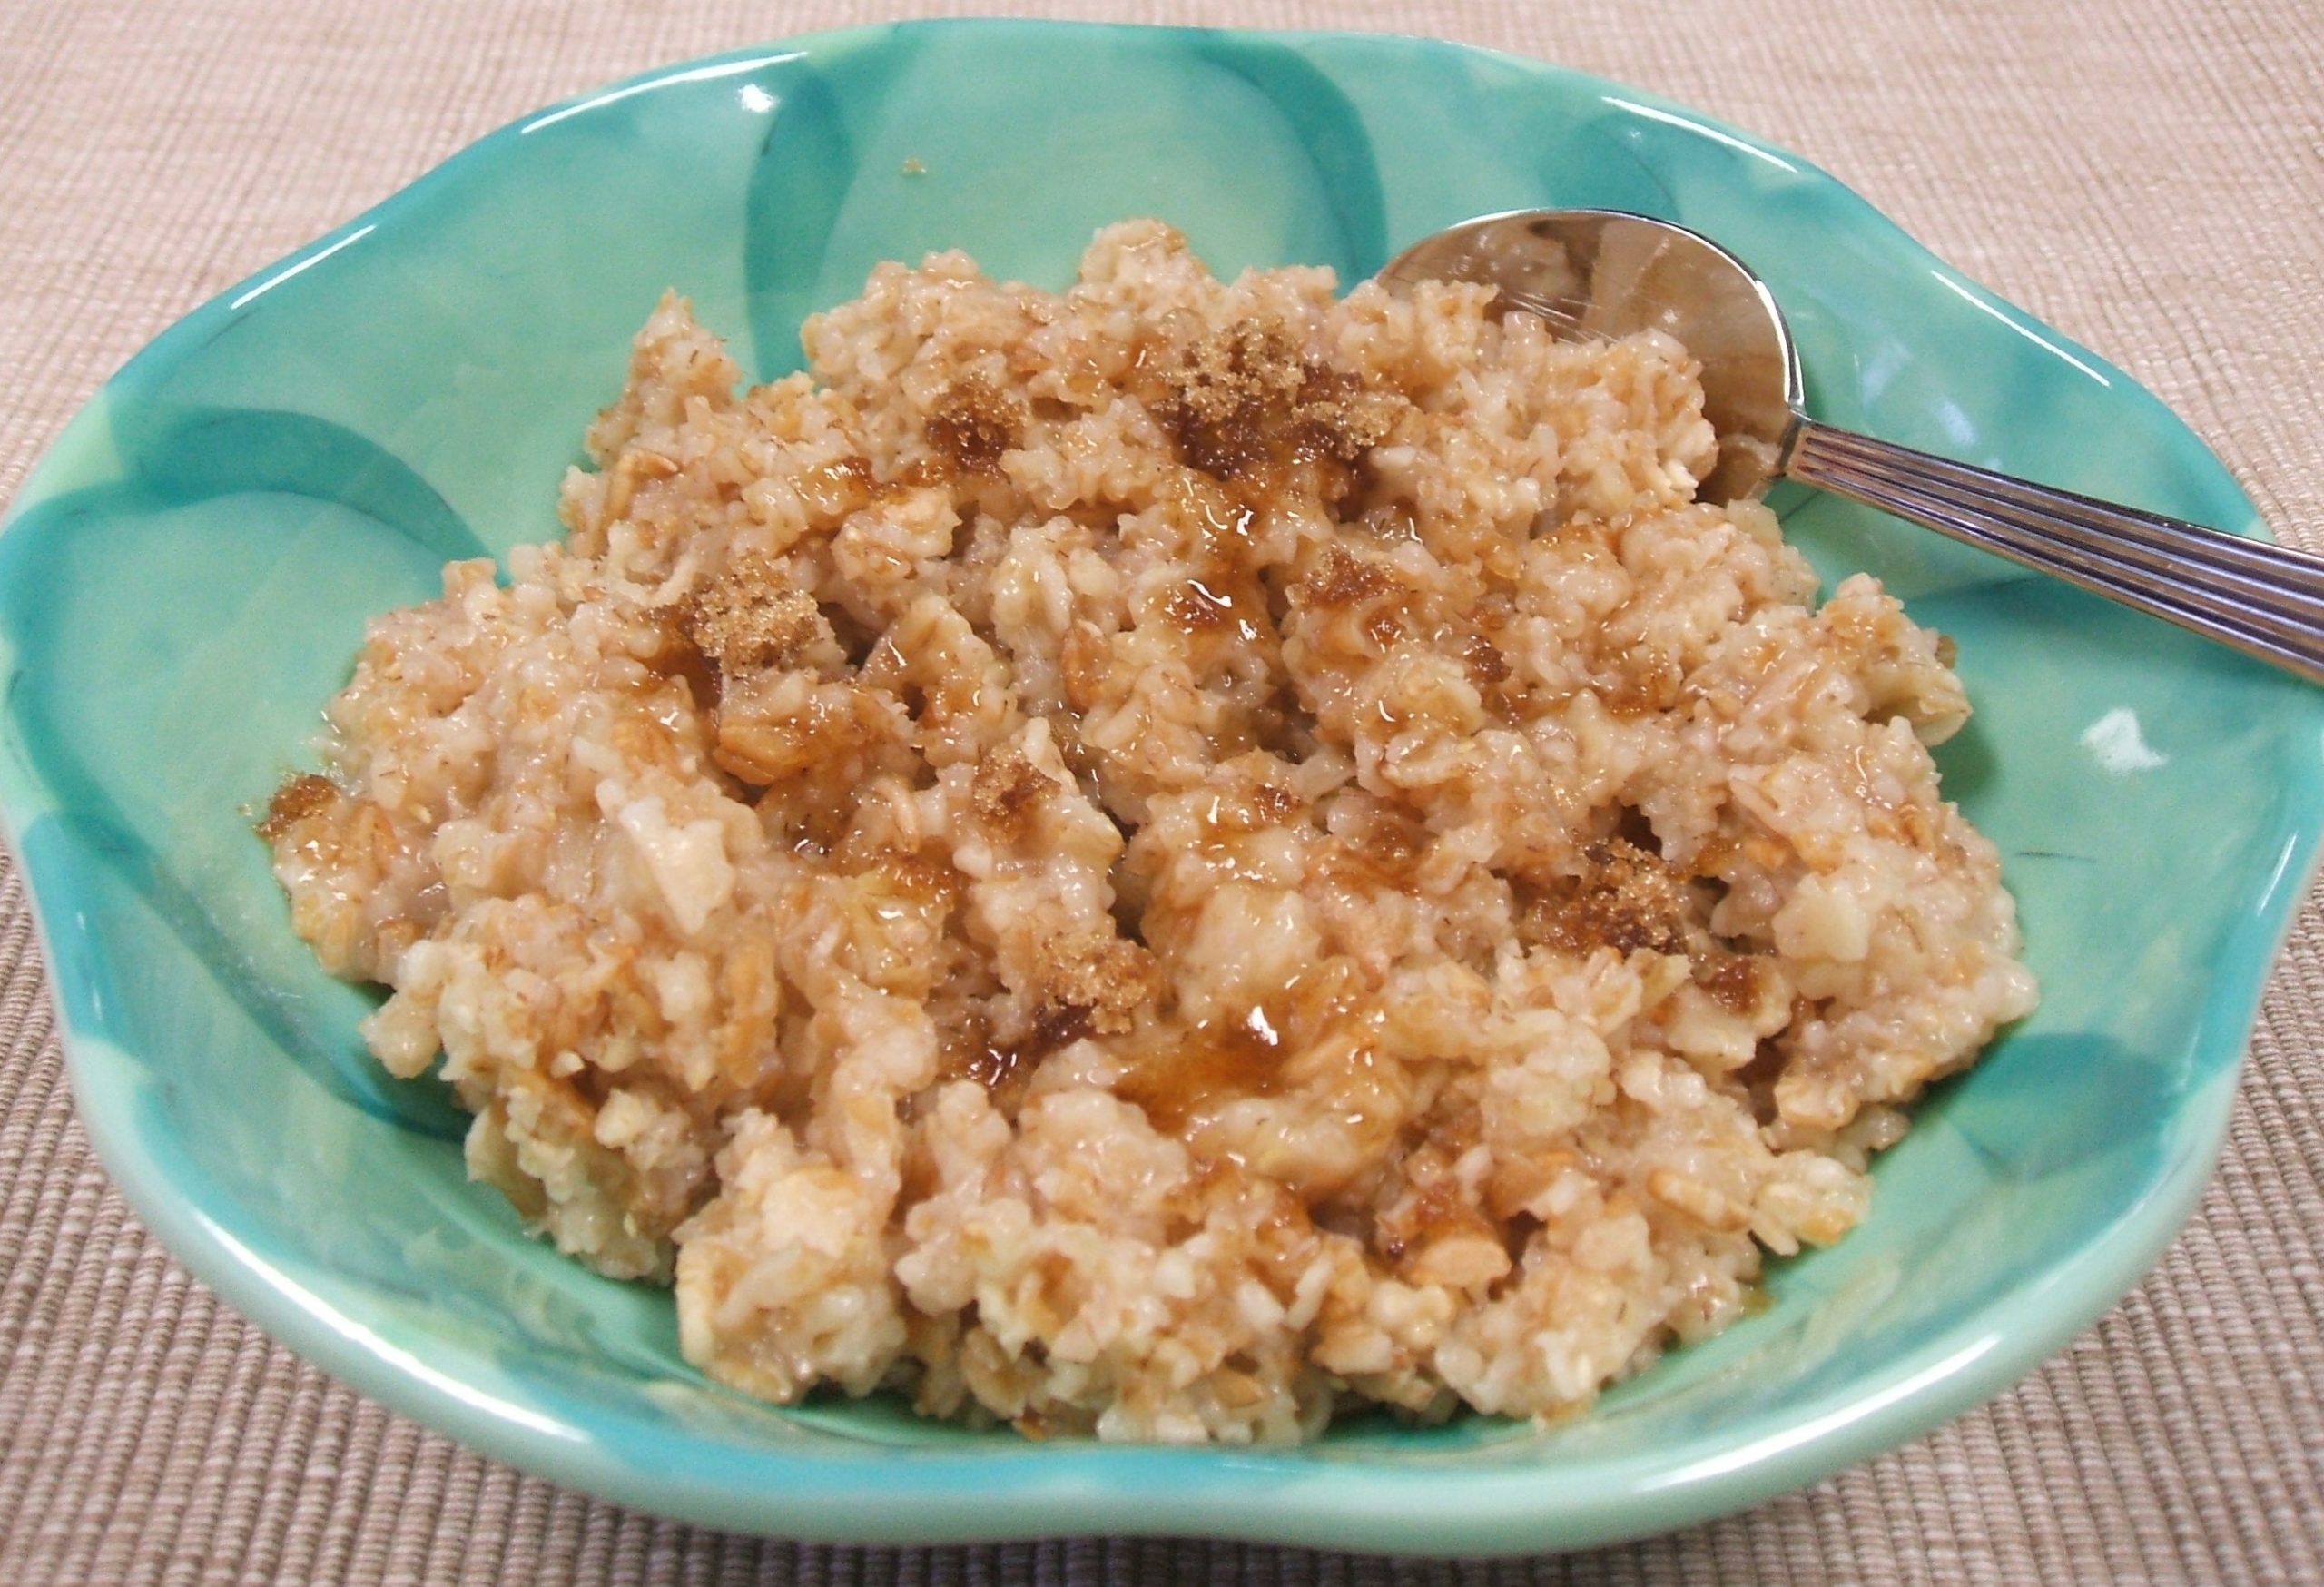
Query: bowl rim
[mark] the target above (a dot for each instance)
(1349, 1501)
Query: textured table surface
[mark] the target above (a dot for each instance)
(2146, 175)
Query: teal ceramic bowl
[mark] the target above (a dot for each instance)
(184, 580)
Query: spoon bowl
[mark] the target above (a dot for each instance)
(1605, 274)
(1608, 273)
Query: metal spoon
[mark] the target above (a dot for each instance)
(1603, 274)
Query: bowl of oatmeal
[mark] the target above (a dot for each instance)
(1016, 842)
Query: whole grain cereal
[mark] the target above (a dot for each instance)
(1162, 860)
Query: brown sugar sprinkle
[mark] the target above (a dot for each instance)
(1244, 403)
(1338, 416)
(1222, 393)
(750, 617)
(1093, 984)
(973, 425)
(301, 796)
(1007, 789)
(1626, 900)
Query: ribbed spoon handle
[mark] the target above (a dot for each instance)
(2263, 600)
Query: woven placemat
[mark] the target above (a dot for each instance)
(2146, 175)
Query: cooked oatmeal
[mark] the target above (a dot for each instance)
(1163, 860)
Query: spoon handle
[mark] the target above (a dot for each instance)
(2263, 600)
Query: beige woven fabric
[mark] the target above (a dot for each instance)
(2145, 174)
